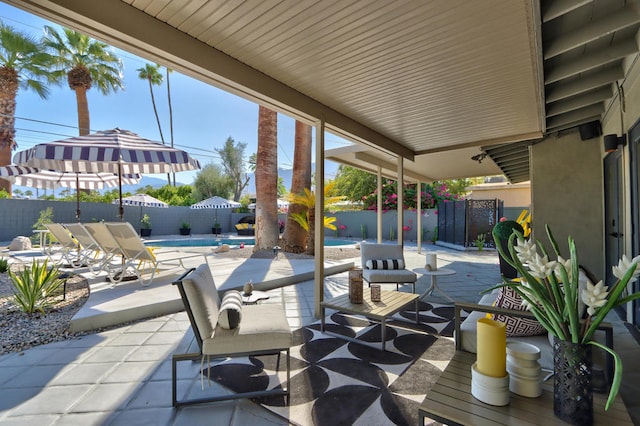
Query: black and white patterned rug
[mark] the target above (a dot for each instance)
(336, 382)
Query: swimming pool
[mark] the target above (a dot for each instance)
(207, 242)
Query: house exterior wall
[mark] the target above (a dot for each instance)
(516, 195)
(611, 125)
(567, 194)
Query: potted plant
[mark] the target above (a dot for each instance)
(185, 228)
(552, 291)
(501, 233)
(217, 228)
(145, 226)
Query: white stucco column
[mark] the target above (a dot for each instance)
(379, 201)
(319, 220)
(400, 200)
(419, 215)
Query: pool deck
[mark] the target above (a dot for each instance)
(112, 304)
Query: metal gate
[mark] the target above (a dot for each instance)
(461, 222)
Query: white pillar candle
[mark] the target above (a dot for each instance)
(432, 262)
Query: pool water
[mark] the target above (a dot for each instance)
(207, 242)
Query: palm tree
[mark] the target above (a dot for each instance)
(151, 73)
(24, 64)
(85, 63)
(169, 71)
(295, 236)
(267, 180)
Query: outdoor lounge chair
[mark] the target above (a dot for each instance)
(70, 250)
(384, 263)
(262, 330)
(101, 256)
(137, 256)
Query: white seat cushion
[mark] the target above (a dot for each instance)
(263, 327)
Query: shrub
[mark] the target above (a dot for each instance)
(145, 222)
(4, 265)
(503, 230)
(34, 286)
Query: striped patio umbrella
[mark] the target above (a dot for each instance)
(216, 202)
(143, 200)
(112, 151)
(49, 179)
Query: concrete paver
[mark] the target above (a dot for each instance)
(123, 376)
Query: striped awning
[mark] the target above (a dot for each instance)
(111, 151)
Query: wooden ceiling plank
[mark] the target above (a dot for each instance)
(596, 59)
(584, 84)
(622, 18)
(580, 101)
(575, 115)
(557, 8)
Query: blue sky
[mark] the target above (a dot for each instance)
(204, 116)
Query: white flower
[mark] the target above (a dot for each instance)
(623, 267)
(526, 289)
(525, 250)
(567, 264)
(541, 267)
(594, 296)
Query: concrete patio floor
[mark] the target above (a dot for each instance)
(123, 376)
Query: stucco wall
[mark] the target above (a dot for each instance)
(567, 194)
(516, 195)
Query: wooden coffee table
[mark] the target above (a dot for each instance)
(450, 401)
(390, 303)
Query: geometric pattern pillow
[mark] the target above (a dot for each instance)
(230, 310)
(508, 298)
(385, 264)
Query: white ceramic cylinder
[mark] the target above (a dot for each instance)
(524, 370)
(488, 389)
(432, 262)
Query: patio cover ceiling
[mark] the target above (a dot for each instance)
(411, 78)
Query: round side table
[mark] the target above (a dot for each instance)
(440, 272)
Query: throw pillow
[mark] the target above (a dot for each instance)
(230, 310)
(385, 264)
(509, 299)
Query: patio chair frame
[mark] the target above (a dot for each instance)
(193, 356)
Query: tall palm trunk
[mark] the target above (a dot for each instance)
(170, 118)
(267, 231)
(8, 93)
(84, 120)
(295, 237)
(155, 111)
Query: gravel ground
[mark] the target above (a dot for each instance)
(20, 331)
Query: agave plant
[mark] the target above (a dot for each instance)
(4, 265)
(34, 286)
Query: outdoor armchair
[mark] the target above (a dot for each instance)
(384, 263)
(260, 330)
